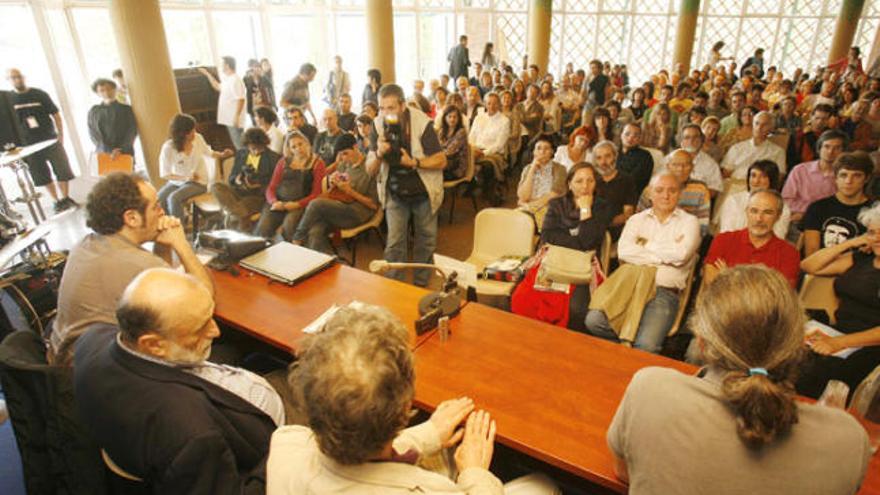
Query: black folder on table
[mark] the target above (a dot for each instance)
(287, 263)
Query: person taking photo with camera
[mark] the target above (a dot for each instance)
(409, 160)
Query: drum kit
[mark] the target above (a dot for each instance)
(28, 288)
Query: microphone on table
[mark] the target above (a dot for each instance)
(445, 302)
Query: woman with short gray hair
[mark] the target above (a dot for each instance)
(855, 266)
(736, 426)
(356, 380)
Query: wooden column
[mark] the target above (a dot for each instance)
(540, 20)
(685, 34)
(143, 50)
(845, 29)
(380, 38)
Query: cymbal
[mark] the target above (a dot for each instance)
(22, 153)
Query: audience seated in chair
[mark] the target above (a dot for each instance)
(358, 440)
(158, 408)
(454, 139)
(295, 182)
(664, 237)
(633, 159)
(245, 192)
(763, 174)
(488, 138)
(736, 426)
(123, 211)
(614, 187)
(578, 149)
(577, 220)
(856, 264)
(741, 155)
(811, 181)
(706, 169)
(541, 181)
(834, 219)
(694, 196)
(182, 165)
(349, 199)
(324, 143)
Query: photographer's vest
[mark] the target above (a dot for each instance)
(431, 178)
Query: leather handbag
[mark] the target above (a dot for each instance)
(566, 266)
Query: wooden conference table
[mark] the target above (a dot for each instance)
(553, 392)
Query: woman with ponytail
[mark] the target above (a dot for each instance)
(736, 427)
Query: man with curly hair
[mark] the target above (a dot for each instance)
(124, 212)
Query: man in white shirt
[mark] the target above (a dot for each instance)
(663, 236)
(488, 138)
(741, 155)
(706, 169)
(230, 104)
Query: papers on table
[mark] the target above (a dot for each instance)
(814, 325)
(467, 272)
(318, 324)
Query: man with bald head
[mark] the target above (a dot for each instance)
(694, 197)
(663, 236)
(161, 411)
(756, 243)
(325, 142)
(741, 155)
(39, 120)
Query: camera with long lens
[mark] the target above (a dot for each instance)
(394, 135)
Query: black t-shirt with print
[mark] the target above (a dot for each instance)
(835, 221)
(34, 109)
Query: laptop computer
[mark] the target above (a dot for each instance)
(287, 263)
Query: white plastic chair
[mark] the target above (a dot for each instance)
(500, 232)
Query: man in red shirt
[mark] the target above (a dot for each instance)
(756, 243)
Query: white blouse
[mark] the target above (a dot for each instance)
(190, 166)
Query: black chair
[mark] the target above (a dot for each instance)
(58, 454)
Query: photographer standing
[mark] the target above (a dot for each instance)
(407, 154)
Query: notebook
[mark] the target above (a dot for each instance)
(122, 163)
(287, 263)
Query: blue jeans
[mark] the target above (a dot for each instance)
(235, 134)
(398, 215)
(657, 319)
(323, 215)
(172, 197)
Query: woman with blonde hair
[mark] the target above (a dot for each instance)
(736, 426)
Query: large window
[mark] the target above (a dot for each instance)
(79, 42)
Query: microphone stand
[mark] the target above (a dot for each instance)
(435, 305)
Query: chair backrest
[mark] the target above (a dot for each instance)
(58, 454)
(502, 232)
(780, 139)
(817, 292)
